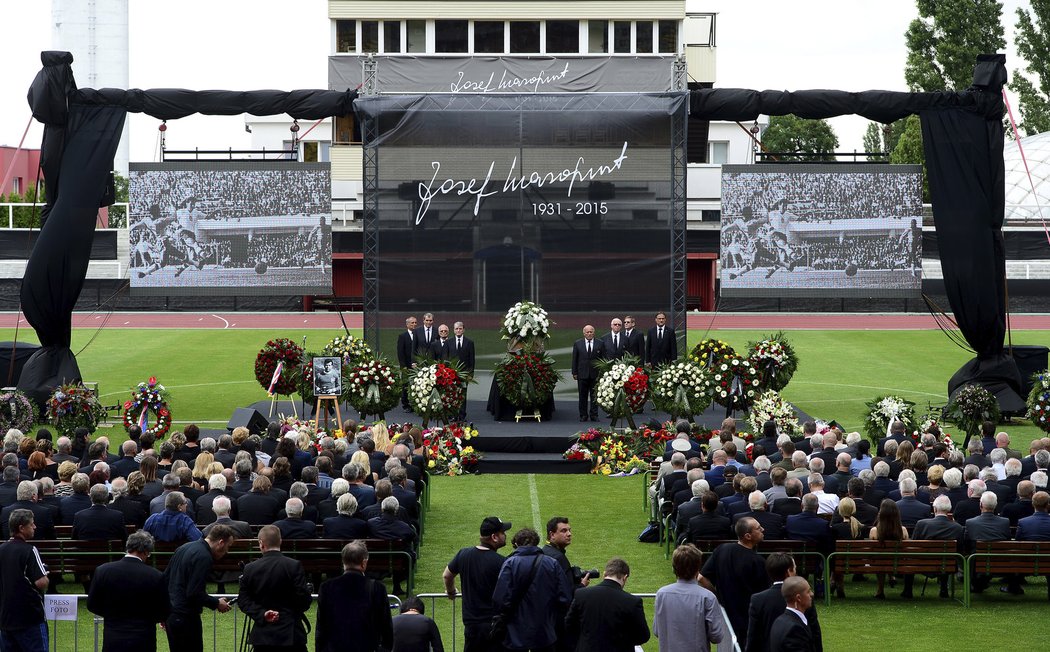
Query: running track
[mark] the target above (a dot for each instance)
(697, 321)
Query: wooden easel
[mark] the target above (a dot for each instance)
(273, 405)
(322, 401)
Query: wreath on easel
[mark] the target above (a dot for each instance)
(148, 404)
(280, 353)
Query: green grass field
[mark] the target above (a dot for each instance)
(209, 372)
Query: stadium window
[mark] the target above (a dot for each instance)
(718, 152)
(346, 36)
(525, 37)
(710, 215)
(325, 155)
(643, 39)
(488, 36)
(668, 36)
(310, 151)
(369, 36)
(597, 36)
(392, 36)
(622, 37)
(344, 130)
(416, 35)
(450, 36)
(563, 36)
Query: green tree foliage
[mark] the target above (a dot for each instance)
(944, 41)
(1033, 89)
(25, 217)
(909, 150)
(882, 138)
(790, 134)
(118, 215)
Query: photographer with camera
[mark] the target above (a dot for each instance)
(559, 536)
(275, 595)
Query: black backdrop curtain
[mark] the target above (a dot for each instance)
(963, 137)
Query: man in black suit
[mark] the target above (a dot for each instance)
(344, 525)
(633, 339)
(425, 335)
(791, 505)
(604, 616)
(26, 495)
(912, 509)
(225, 455)
(216, 488)
(772, 524)
(131, 578)
(585, 352)
(897, 434)
(808, 526)
(613, 341)
(441, 347)
(790, 632)
(1022, 507)
(294, 526)
(123, 467)
(661, 346)
(463, 350)
(766, 606)
(709, 524)
(258, 507)
(987, 527)
(315, 494)
(99, 522)
(186, 577)
(222, 506)
(353, 608)
(406, 352)
(938, 528)
(274, 594)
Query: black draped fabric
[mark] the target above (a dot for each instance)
(172, 103)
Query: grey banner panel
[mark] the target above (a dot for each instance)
(537, 74)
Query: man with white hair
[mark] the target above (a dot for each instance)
(772, 524)
(998, 459)
(222, 506)
(953, 481)
(328, 507)
(26, 497)
(938, 528)
(827, 502)
(691, 507)
(343, 525)
(976, 454)
(986, 527)
(294, 526)
(1039, 479)
(800, 464)
(761, 466)
(216, 488)
(64, 446)
(1012, 466)
(911, 508)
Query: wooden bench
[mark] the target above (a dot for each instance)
(1023, 558)
(897, 558)
(323, 557)
(74, 556)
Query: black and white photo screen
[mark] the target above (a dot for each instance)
(230, 228)
(328, 379)
(843, 230)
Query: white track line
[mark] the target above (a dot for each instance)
(223, 321)
(225, 382)
(534, 497)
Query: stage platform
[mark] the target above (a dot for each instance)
(525, 447)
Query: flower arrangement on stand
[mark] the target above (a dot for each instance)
(884, 410)
(527, 326)
(17, 411)
(711, 354)
(622, 389)
(74, 406)
(277, 366)
(437, 390)
(970, 407)
(447, 450)
(682, 389)
(616, 458)
(775, 359)
(929, 423)
(372, 387)
(149, 398)
(526, 379)
(353, 350)
(736, 383)
(771, 406)
(1039, 401)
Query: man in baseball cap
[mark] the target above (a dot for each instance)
(478, 567)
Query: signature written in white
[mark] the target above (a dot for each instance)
(515, 181)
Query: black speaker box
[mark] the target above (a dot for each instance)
(250, 418)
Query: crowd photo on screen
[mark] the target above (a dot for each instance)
(202, 225)
(807, 227)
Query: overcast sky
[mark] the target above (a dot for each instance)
(257, 44)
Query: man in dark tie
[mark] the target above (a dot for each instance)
(661, 347)
(633, 340)
(585, 352)
(441, 348)
(463, 350)
(613, 340)
(791, 629)
(406, 353)
(425, 334)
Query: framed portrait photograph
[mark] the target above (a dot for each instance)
(328, 379)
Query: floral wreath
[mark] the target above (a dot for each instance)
(447, 452)
(736, 383)
(884, 410)
(17, 411)
(526, 379)
(73, 406)
(148, 397)
(436, 391)
(711, 354)
(373, 386)
(770, 406)
(622, 390)
(971, 406)
(525, 322)
(281, 352)
(682, 389)
(353, 350)
(1039, 401)
(775, 359)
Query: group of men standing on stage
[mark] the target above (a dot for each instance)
(623, 339)
(435, 342)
